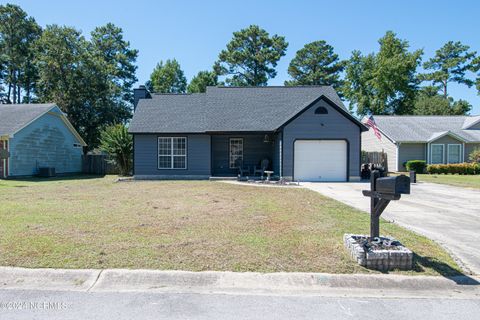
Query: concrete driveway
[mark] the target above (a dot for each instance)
(449, 215)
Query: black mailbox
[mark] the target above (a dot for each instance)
(393, 185)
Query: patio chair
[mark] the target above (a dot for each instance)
(242, 171)
(263, 166)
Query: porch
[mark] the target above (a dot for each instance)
(230, 150)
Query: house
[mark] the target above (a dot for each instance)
(37, 135)
(306, 133)
(435, 139)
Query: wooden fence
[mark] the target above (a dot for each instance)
(378, 159)
(97, 164)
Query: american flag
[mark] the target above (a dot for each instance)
(369, 121)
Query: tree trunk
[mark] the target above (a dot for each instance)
(27, 93)
(445, 89)
(9, 91)
(14, 84)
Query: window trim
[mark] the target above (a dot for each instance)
(171, 153)
(460, 153)
(230, 150)
(431, 152)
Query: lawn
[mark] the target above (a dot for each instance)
(196, 225)
(468, 181)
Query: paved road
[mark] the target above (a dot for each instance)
(142, 305)
(449, 215)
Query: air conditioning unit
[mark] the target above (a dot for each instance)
(46, 172)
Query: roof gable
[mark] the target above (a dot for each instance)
(426, 128)
(223, 109)
(437, 135)
(470, 122)
(15, 117)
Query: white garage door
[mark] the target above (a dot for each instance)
(320, 160)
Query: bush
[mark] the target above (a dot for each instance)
(474, 156)
(454, 168)
(418, 166)
(117, 142)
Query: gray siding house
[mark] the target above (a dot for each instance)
(37, 135)
(305, 133)
(435, 139)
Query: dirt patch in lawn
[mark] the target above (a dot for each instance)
(186, 225)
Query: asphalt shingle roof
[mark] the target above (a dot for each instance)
(226, 109)
(14, 117)
(427, 128)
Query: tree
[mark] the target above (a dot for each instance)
(475, 67)
(474, 156)
(439, 105)
(383, 83)
(251, 57)
(114, 62)
(316, 64)
(17, 35)
(61, 54)
(200, 82)
(168, 78)
(449, 64)
(87, 80)
(118, 143)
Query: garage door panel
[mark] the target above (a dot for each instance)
(320, 160)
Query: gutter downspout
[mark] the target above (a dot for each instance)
(428, 152)
(397, 159)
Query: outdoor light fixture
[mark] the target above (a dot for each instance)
(266, 139)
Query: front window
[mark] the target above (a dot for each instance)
(437, 153)
(236, 152)
(172, 153)
(454, 153)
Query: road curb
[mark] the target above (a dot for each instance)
(47, 279)
(359, 285)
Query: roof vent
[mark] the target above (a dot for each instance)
(321, 110)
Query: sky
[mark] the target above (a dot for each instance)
(194, 32)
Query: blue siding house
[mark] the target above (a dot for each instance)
(37, 135)
(303, 133)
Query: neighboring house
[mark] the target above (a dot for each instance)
(435, 139)
(306, 133)
(38, 135)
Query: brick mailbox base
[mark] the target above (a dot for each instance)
(383, 258)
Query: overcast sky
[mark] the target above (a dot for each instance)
(194, 32)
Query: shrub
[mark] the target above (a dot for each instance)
(474, 156)
(416, 165)
(454, 168)
(117, 142)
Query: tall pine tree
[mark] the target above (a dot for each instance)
(316, 64)
(251, 57)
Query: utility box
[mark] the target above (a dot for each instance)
(393, 185)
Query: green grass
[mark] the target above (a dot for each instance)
(468, 181)
(93, 222)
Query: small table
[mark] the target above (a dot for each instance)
(268, 174)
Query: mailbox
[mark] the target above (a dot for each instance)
(393, 185)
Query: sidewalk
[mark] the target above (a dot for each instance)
(211, 282)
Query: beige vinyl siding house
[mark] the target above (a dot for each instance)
(435, 139)
(370, 142)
